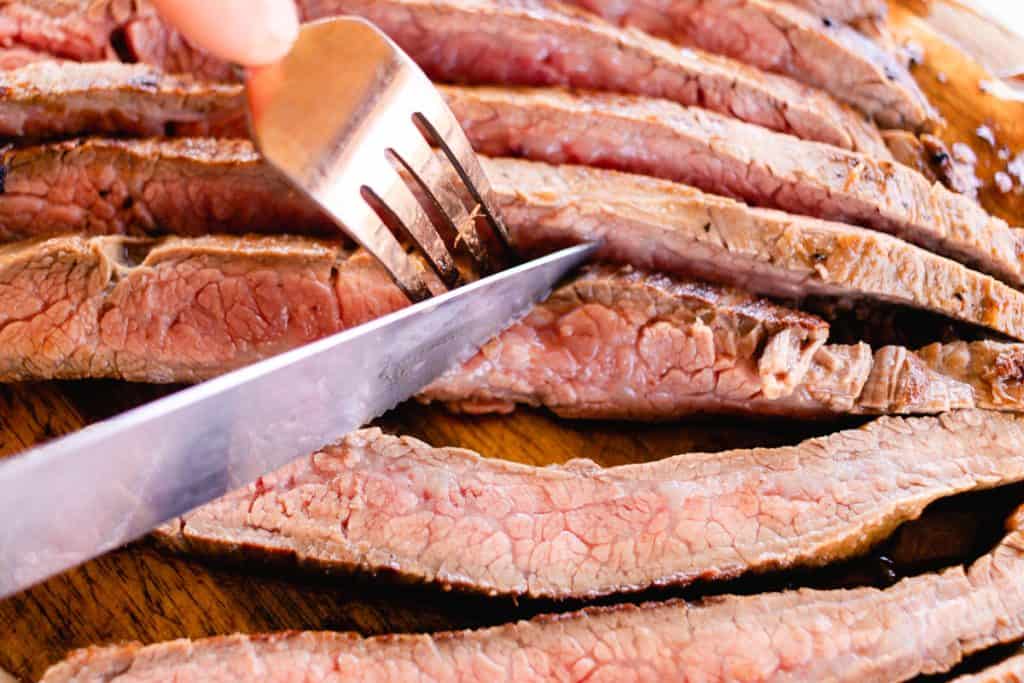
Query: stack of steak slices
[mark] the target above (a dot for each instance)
(746, 203)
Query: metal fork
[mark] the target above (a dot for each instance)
(352, 121)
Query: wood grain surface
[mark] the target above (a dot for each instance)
(141, 593)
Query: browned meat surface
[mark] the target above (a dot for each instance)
(624, 345)
(1009, 671)
(921, 625)
(187, 186)
(929, 156)
(191, 187)
(175, 310)
(538, 42)
(375, 502)
(661, 226)
(728, 157)
(784, 39)
(847, 11)
(51, 99)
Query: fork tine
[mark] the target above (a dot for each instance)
(434, 181)
(375, 237)
(452, 140)
(401, 209)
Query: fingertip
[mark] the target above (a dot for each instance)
(247, 32)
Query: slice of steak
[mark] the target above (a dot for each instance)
(52, 100)
(175, 310)
(191, 187)
(539, 42)
(728, 157)
(783, 39)
(922, 625)
(187, 186)
(658, 225)
(626, 345)
(450, 516)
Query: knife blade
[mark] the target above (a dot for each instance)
(87, 493)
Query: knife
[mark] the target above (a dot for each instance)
(82, 495)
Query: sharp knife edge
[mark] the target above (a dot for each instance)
(82, 495)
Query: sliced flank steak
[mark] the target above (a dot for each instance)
(784, 39)
(539, 42)
(177, 310)
(728, 157)
(613, 342)
(658, 225)
(619, 344)
(186, 186)
(922, 625)
(196, 186)
(517, 42)
(52, 100)
(452, 517)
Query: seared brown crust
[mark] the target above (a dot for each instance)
(731, 158)
(67, 99)
(658, 225)
(804, 634)
(187, 186)
(781, 38)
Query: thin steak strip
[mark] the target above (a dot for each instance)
(538, 42)
(175, 310)
(784, 39)
(51, 100)
(657, 225)
(611, 343)
(188, 186)
(191, 186)
(728, 157)
(444, 515)
(627, 345)
(921, 625)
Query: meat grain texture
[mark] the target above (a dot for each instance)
(381, 503)
(539, 42)
(727, 157)
(661, 226)
(784, 39)
(930, 623)
(188, 186)
(627, 345)
(174, 310)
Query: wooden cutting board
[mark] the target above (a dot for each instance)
(141, 593)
